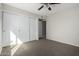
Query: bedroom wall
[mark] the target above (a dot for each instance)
(63, 26)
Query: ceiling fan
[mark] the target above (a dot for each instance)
(48, 5)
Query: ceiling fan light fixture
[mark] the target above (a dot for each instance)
(49, 8)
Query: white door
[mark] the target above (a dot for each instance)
(23, 29)
(33, 29)
(15, 29)
(19, 29)
(9, 28)
(0, 27)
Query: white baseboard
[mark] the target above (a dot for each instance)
(65, 42)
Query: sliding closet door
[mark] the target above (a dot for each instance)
(18, 29)
(33, 29)
(0, 27)
(10, 24)
(23, 29)
(15, 29)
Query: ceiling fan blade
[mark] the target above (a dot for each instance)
(41, 7)
(49, 8)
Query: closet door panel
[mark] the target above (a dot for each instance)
(23, 28)
(15, 29)
(0, 27)
(33, 29)
(10, 25)
(19, 28)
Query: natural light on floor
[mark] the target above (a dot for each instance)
(14, 41)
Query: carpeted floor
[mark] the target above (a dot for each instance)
(42, 48)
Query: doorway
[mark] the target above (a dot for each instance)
(42, 29)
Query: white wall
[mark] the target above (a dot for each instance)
(63, 26)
